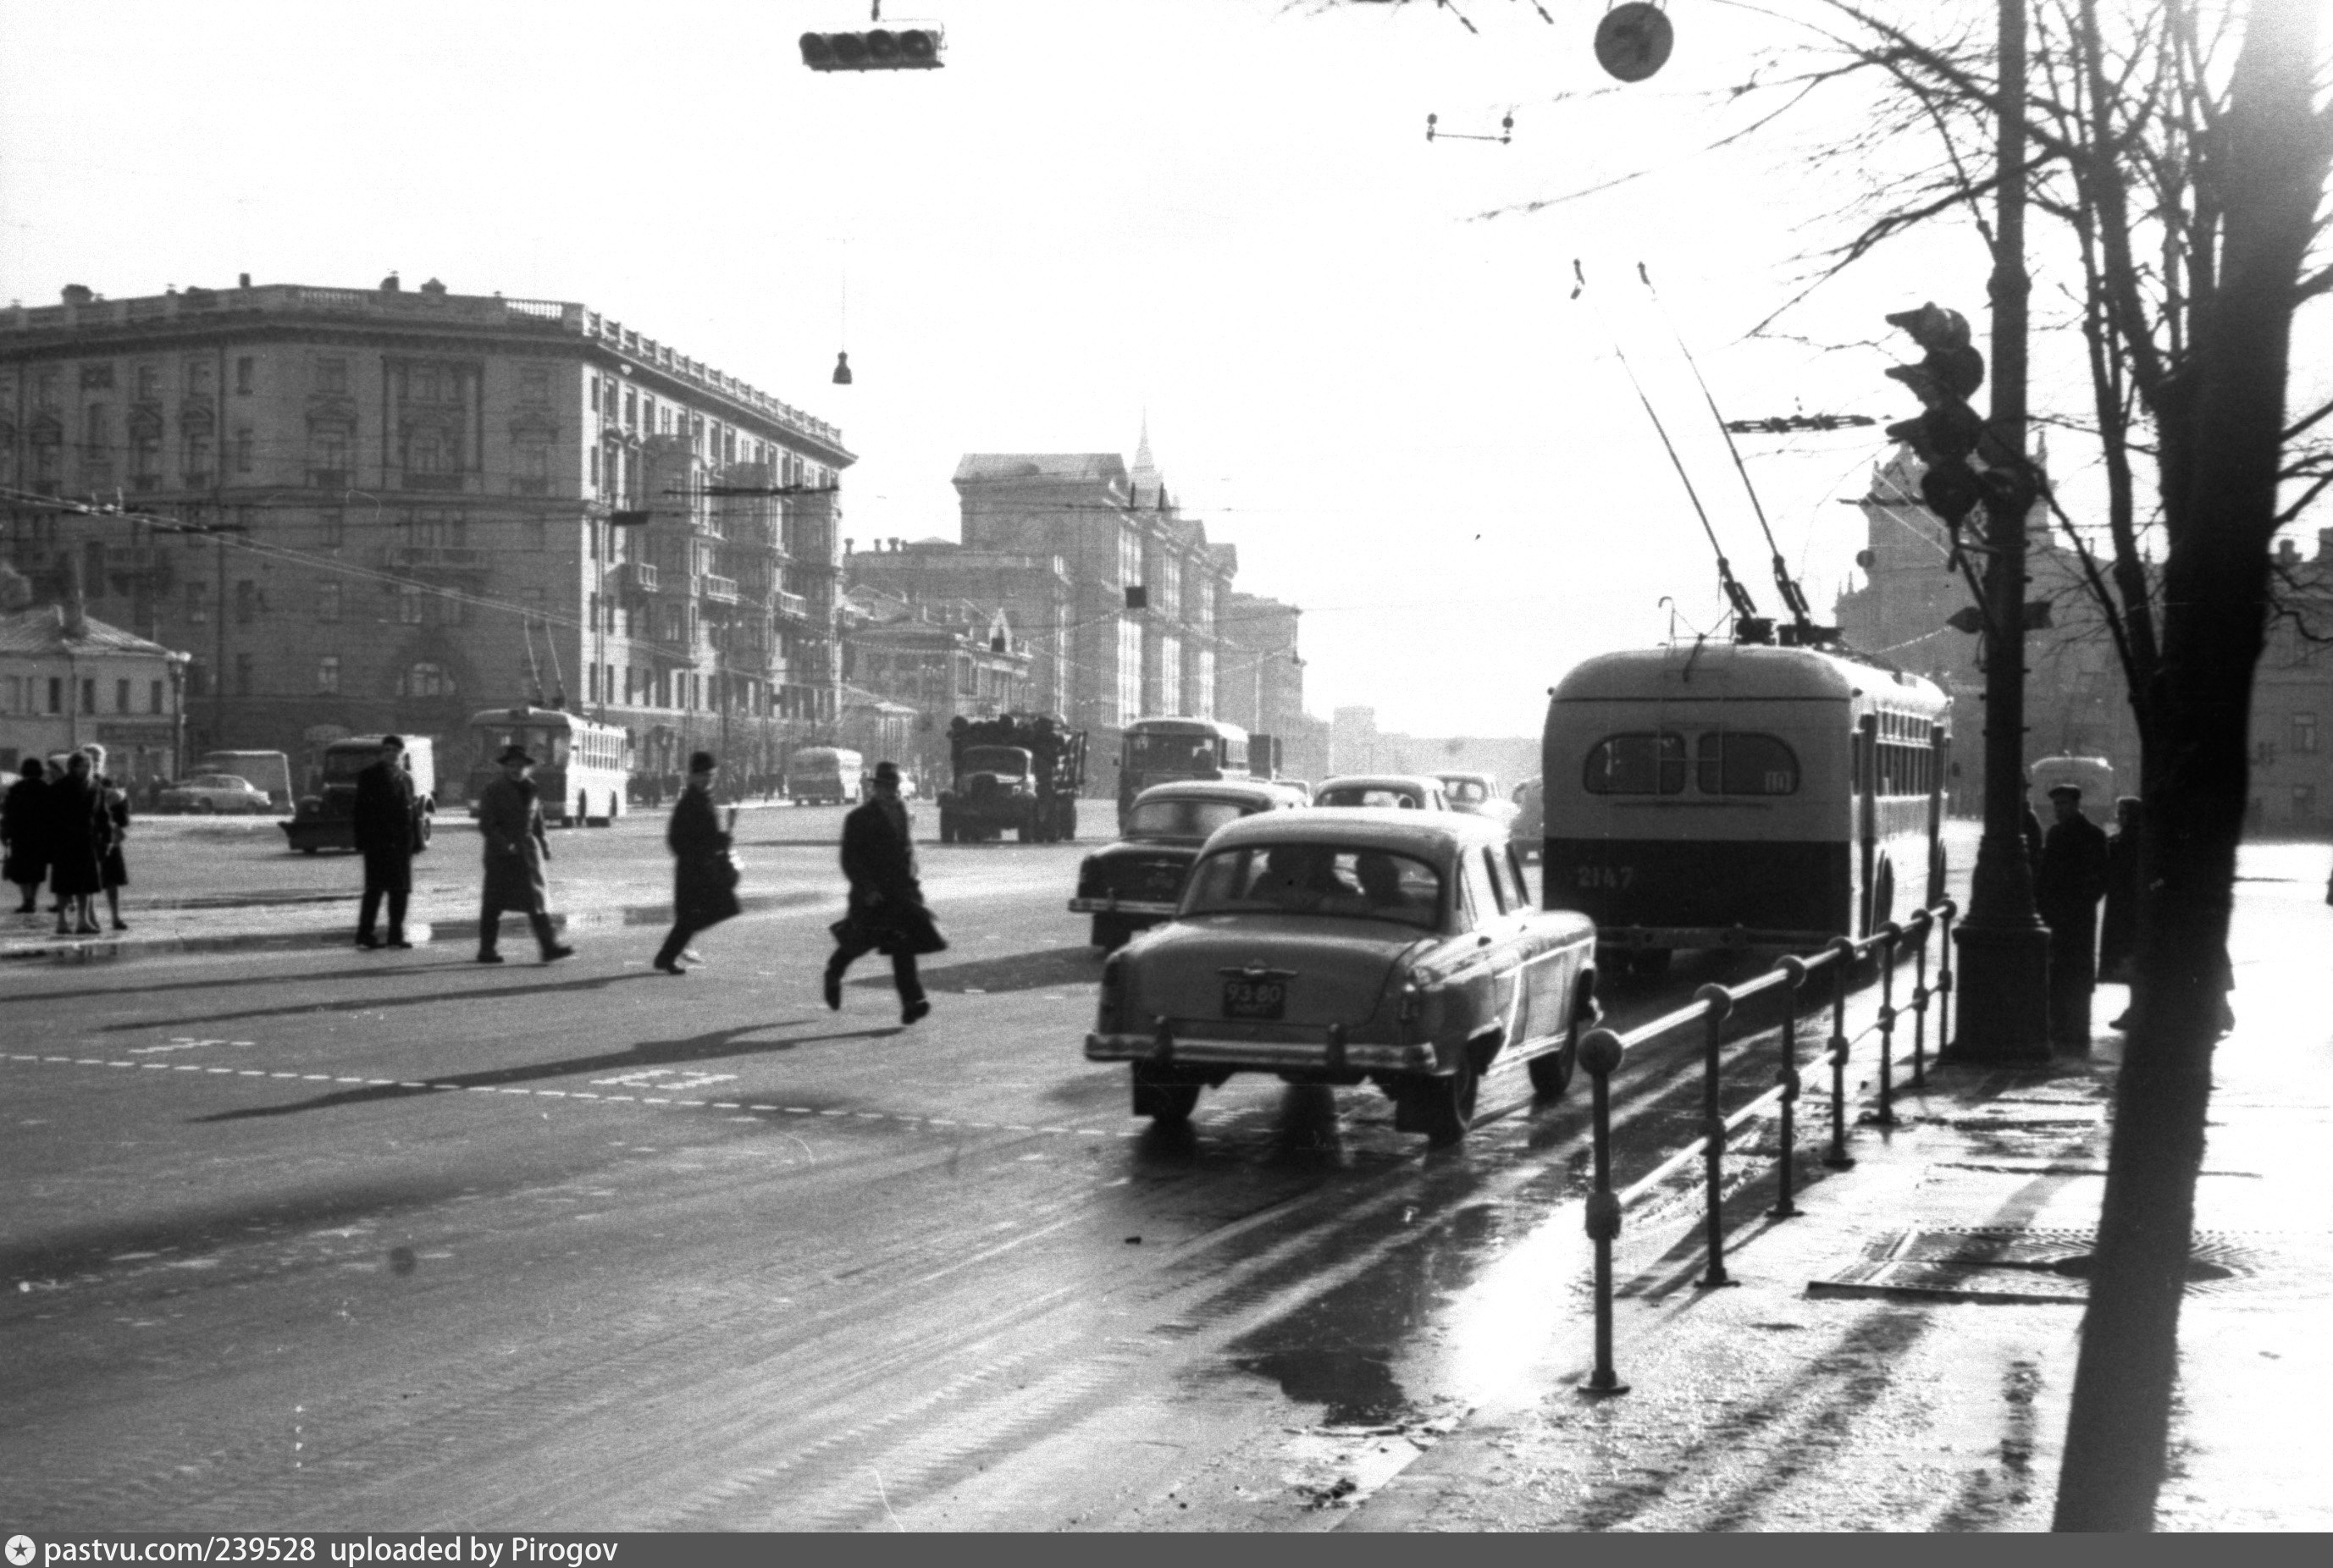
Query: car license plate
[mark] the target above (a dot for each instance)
(1255, 998)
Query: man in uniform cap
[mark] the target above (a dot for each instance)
(2072, 879)
(510, 827)
(886, 914)
(388, 835)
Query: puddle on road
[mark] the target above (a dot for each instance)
(1356, 1386)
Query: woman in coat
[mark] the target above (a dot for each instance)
(78, 834)
(25, 833)
(112, 800)
(510, 829)
(704, 879)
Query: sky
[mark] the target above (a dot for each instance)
(1359, 356)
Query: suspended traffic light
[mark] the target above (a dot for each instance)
(1633, 41)
(1946, 436)
(916, 48)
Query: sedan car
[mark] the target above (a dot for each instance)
(1402, 791)
(1476, 794)
(1137, 882)
(215, 792)
(1528, 831)
(1396, 948)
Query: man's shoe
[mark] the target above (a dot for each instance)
(834, 990)
(400, 942)
(670, 969)
(914, 1010)
(554, 954)
(490, 958)
(121, 925)
(368, 943)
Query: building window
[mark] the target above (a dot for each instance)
(96, 375)
(328, 529)
(56, 693)
(146, 459)
(121, 696)
(198, 461)
(198, 603)
(2304, 802)
(328, 675)
(149, 383)
(154, 697)
(410, 598)
(332, 376)
(2304, 733)
(199, 679)
(88, 694)
(199, 377)
(243, 674)
(328, 601)
(243, 452)
(426, 680)
(242, 374)
(246, 602)
(328, 462)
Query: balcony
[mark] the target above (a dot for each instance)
(636, 577)
(792, 606)
(720, 590)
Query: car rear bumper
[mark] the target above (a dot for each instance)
(1277, 1047)
(1113, 904)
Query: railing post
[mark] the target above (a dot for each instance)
(1890, 935)
(1945, 976)
(1926, 921)
(1720, 1003)
(1600, 1052)
(1842, 956)
(1787, 1078)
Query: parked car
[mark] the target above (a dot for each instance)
(1528, 831)
(1476, 794)
(1136, 881)
(1401, 791)
(1395, 947)
(222, 793)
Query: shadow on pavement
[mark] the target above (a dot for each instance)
(410, 999)
(242, 982)
(715, 1044)
(1020, 972)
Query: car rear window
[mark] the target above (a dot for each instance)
(1357, 796)
(1318, 879)
(1181, 818)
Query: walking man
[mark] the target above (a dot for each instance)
(388, 838)
(704, 877)
(887, 913)
(2073, 876)
(510, 826)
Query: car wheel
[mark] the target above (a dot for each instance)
(1166, 1104)
(1110, 933)
(1027, 832)
(206, 808)
(429, 825)
(1449, 1103)
(1551, 1074)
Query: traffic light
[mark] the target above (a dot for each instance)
(916, 48)
(1946, 435)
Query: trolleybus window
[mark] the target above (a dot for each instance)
(1636, 764)
(1735, 762)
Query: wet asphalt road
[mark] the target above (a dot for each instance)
(311, 1240)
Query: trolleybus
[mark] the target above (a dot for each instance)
(1712, 795)
(1157, 750)
(580, 766)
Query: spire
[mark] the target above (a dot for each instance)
(1144, 479)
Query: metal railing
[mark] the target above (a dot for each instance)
(1712, 1006)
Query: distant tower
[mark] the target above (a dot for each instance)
(1143, 483)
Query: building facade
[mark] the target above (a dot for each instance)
(941, 659)
(375, 509)
(1032, 592)
(2076, 695)
(66, 681)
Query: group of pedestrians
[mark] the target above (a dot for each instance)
(64, 828)
(2076, 864)
(886, 912)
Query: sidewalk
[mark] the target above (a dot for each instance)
(1900, 1356)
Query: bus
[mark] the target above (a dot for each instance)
(1716, 795)
(1157, 750)
(580, 766)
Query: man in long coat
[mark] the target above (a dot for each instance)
(704, 880)
(78, 832)
(388, 838)
(888, 912)
(2073, 876)
(25, 833)
(510, 828)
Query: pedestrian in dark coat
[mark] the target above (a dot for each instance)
(510, 825)
(389, 837)
(77, 839)
(2118, 924)
(25, 833)
(704, 877)
(113, 803)
(886, 914)
(2073, 877)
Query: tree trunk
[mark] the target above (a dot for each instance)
(2221, 422)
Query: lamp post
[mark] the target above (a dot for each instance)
(2004, 1016)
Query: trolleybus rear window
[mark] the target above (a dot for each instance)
(1733, 762)
(1636, 764)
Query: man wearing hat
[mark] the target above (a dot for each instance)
(388, 835)
(888, 912)
(2070, 881)
(510, 826)
(704, 877)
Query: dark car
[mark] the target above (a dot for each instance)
(1528, 829)
(1138, 880)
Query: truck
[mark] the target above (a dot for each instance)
(826, 776)
(325, 820)
(1016, 770)
(270, 771)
